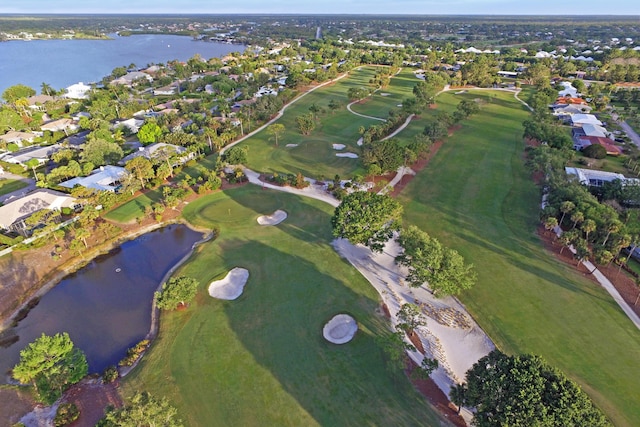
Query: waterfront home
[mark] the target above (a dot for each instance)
(105, 178)
(131, 78)
(37, 102)
(14, 214)
(64, 125)
(78, 91)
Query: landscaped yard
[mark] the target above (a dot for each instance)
(314, 156)
(9, 185)
(261, 359)
(476, 197)
(134, 208)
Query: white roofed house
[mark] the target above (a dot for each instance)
(14, 215)
(131, 78)
(17, 137)
(583, 119)
(78, 91)
(64, 125)
(105, 178)
(42, 154)
(161, 152)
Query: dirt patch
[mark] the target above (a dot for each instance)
(16, 402)
(436, 397)
(92, 397)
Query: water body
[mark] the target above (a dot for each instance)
(61, 63)
(106, 306)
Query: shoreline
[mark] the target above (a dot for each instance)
(52, 279)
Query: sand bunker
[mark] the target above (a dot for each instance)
(349, 155)
(338, 146)
(360, 141)
(385, 94)
(340, 329)
(291, 145)
(231, 286)
(274, 219)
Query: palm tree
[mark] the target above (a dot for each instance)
(550, 223)
(588, 226)
(566, 207)
(577, 217)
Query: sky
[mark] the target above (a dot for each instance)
(403, 7)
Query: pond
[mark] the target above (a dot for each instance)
(106, 306)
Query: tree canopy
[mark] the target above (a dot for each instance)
(524, 390)
(177, 290)
(51, 364)
(443, 269)
(144, 410)
(367, 218)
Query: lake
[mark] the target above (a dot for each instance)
(106, 306)
(61, 63)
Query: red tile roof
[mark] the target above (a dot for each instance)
(569, 100)
(607, 143)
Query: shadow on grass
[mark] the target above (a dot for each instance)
(279, 320)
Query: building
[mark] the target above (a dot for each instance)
(42, 154)
(105, 178)
(14, 214)
(583, 119)
(17, 137)
(161, 151)
(583, 141)
(78, 91)
(596, 178)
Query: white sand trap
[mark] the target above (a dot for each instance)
(340, 329)
(274, 219)
(360, 142)
(349, 155)
(338, 146)
(291, 145)
(385, 94)
(231, 286)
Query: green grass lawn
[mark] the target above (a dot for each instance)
(379, 104)
(9, 185)
(261, 360)
(134, 208)
(476, 197)
(314, 155)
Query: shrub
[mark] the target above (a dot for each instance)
(66, 414)
(595, 151)
(134, 353)
(110, 375)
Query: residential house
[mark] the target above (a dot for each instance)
(597, 178)
(37, 102)
(563, 100)
(17, 137)
(563, 111)
(132, 124)
(78, 91)
(60, 125)
(105, 178)
(583, 119)
(159, 151)
(14, 214)
(21, 157)
(589, 129)
(130, 78)
(583, 141)
(166, 90)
